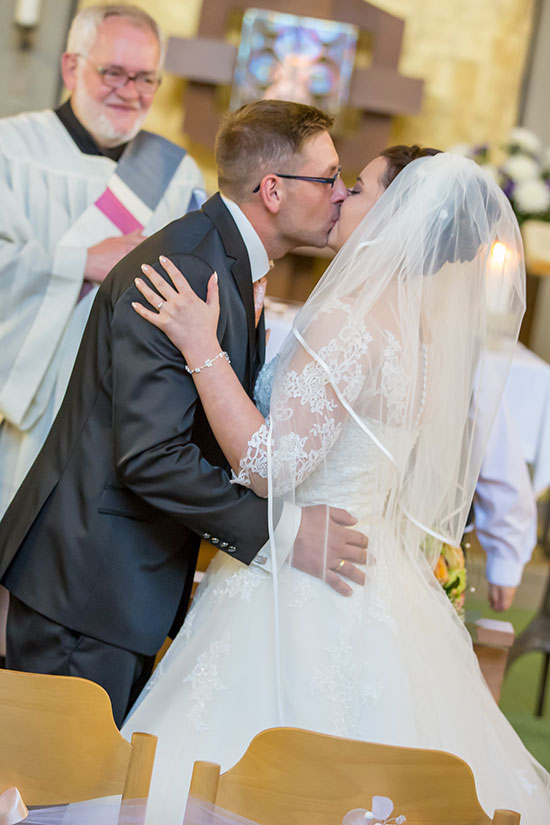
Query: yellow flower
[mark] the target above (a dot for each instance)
(454, 556)
(441, 571)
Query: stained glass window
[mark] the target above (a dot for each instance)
(285, 57)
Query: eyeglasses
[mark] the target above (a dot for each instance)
(330, 181)
(116, 77)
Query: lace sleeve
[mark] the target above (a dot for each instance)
(305, 405)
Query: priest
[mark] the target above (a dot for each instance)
(80, 187)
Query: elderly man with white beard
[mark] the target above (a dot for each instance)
(80, 187)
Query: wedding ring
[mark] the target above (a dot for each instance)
(340, 564)
(160, 305)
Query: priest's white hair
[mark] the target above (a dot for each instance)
(83, 30)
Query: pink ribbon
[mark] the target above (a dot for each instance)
(12, 807)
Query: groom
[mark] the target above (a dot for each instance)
(99, 546)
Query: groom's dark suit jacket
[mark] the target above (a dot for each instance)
(102, 537)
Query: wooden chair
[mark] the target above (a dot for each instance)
(492, 639)
(59, 742)
(297, 776)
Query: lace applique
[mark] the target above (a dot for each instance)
(205, 680)
(339, 682)
(526, 783)
(187, 627)
(155, 676)
(298, 453)
(255, 460)
(378, 604)
(184, 635)
(302, 588)
(243, 583)
(394, 385)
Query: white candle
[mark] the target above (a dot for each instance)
(498, 284)
(27, 12)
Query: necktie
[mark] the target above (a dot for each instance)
(259, 287)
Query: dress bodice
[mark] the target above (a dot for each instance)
(355, 474)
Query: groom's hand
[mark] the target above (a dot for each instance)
(327, 547)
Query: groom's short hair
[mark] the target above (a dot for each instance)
(263, 137)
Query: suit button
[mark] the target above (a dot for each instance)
(231, 548)
(224, 544)
(214, 540)
(206, 535)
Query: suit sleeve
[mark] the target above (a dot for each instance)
(156, 443)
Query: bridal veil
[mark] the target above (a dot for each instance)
(406, 342)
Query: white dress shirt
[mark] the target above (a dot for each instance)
(259, 261)
(505, 512)
(289, 521)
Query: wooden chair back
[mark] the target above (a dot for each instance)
(297, 776)
(59, 742)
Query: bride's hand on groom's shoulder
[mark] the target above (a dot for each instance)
(328, 548)
(189, 322)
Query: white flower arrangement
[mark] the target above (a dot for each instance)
(525, 140)
(532, 196)
(522, 170)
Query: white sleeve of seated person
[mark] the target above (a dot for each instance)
(505, 511)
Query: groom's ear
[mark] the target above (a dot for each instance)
(270, 193)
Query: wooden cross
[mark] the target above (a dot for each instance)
(377, 92)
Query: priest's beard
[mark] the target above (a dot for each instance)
(93, 117)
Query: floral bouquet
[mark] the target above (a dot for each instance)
(521, 167)
(450, 570)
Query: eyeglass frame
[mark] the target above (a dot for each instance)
(129, 78)
(328, 181)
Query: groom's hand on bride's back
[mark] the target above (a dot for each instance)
(327, 547)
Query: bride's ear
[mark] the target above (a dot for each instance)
(270, 193)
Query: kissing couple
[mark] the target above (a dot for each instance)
(372, 430)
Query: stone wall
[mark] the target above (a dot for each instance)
(471, 54)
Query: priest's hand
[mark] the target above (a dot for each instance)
(328, 548)
(103, 256)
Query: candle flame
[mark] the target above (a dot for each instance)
(498, 253)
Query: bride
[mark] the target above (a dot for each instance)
(378, 406)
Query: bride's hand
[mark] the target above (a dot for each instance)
(189, 322)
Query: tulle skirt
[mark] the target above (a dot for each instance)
(391, 664)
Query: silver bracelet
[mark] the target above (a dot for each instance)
(208, 363)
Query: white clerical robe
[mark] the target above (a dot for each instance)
(46, 184)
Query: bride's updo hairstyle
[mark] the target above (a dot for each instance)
(456, 220)
(397, 157)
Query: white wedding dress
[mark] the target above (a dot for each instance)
(375, 410)
(391, 664)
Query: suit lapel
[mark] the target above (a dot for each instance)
(240, 268)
